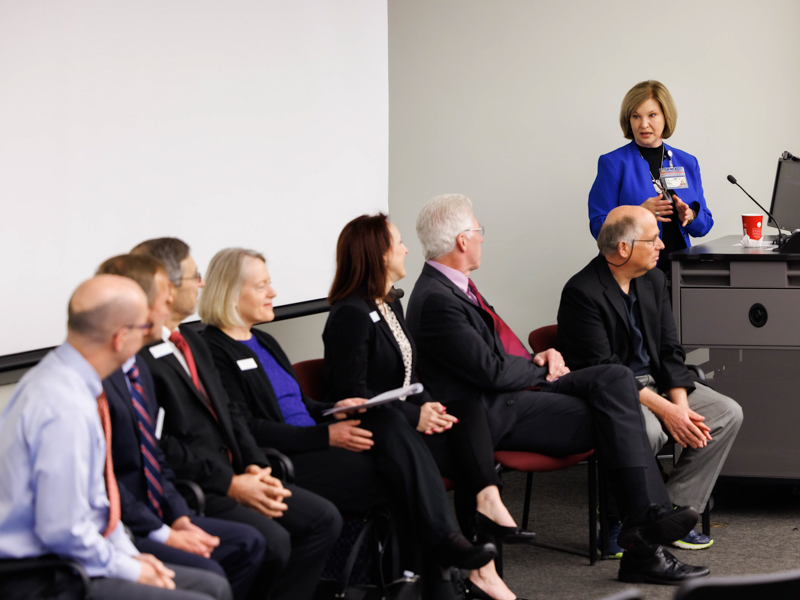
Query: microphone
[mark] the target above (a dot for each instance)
(398, 292)
(780, 240)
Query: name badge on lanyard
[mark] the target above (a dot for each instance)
(674, 178)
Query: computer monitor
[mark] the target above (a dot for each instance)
(786, 193)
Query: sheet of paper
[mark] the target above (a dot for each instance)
(384, 398)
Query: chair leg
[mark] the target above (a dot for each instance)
(526, 510)
(707, 516)
(591, 466)
(603, 487)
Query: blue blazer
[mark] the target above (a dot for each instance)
(623, 178)
(127, 457)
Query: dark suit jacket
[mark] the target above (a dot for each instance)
(362, 357)
(461, 357)
(195, 443)
(593, 327)
(128, 464)
(253, 392)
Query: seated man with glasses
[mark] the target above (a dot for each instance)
(617, 311)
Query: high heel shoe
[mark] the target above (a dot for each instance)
(456, 550)
(508, 535)
(473, 592)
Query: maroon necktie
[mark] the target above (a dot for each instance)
(510, 341)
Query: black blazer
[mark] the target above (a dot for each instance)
(362, 357)
(593, 327)
(460, 355)
(128, 464)
(253, 392)
(195, 443)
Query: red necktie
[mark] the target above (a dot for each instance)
(114, 509)
(510, 341)
(180, 342)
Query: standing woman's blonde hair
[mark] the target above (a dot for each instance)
(642, 92)
(218, 302)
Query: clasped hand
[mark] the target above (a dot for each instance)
(154, 572)
(686, 426)
(555, 363)
(258, 489)
(185, 535)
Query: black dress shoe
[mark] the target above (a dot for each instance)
(507, 535)
(658, 525)
(661, 568)
(455, 550)
(473, 592)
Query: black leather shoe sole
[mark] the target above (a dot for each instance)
(667, 527)
(508, 535)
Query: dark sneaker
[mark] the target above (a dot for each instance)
(662, 568)
(694, 540)
(614, 549)
(658, 525)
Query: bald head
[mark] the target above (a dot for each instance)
(102, 305)
(623, 224)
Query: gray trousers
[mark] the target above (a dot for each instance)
(693, 477)
(191, 584)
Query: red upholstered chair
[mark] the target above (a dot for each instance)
(532, 462)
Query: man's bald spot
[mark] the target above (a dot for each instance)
(103, 304)
(637, 213)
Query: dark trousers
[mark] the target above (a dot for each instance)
(297, 544)
(596, 407)
(238, 557)
(465, 454)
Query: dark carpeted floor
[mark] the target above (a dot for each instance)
(756, 529)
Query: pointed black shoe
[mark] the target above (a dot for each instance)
(507, 535)
(662, 568)
(658, 525)
(473, 592)
(455, 550)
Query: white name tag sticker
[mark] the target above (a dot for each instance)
(247, 363)
(160, 350)
(159, 422)
(374, 316)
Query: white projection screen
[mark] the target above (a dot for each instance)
(261, 124)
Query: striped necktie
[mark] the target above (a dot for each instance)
(508, 338)
(147, 439)
(114, 509)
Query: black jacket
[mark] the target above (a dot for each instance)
(253, 392)
(128, 464)
(195, 443)
(593, 327)
(460, 355)
(362, 357)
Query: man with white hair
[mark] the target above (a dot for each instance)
(467, 353)
(617, 310)
(58, 493)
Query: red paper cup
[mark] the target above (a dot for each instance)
(753, 225)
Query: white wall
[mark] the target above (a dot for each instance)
(512, 102)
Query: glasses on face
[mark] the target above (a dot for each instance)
(196, 277)
(650, 241)
(146, 327)
(481, 230)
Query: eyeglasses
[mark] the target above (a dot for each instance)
(198, 277)
(145, 327)
(652, 241)
(480, 229)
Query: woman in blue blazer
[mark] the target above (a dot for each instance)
(632, 174)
